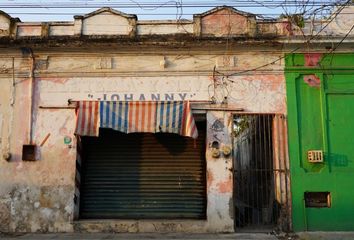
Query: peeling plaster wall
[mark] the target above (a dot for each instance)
(163, 28)
(4, 25)
(107, 24)
(183, 77)
(222, 21)
(339, 26)
(283, 28)
(219, 175)
(34, 196)
(61, 30)
(39, 196)
(227, 23)
(29, 30)
(252, 93)
(5, 186)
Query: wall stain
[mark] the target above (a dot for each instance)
(225, 187)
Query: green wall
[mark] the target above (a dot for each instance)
(322, 118)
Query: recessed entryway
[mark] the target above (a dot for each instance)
(260, 173)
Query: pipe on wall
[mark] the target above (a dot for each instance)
(28, 52)
(6, 154)
(32, 82)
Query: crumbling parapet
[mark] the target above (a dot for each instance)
(8, 25)
(222, 22)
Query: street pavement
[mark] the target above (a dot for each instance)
(184, 236)
(140, 236)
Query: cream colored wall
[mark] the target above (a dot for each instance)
(5, 121)
(61, 30)
(4, 26)
(28, 30)
(107, 24)
(150, 28)
(38, 196)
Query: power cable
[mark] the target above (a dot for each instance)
(294, 50)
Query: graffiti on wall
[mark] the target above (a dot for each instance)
(142, 96)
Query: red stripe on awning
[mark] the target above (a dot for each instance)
(169, 117)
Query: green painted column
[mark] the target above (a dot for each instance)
(320, 100)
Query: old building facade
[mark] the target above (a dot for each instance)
(225, 63)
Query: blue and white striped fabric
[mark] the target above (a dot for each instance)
(169, 117)
(114, 115)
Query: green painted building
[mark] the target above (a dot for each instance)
(320, 100)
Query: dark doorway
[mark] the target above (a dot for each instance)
(256, 173)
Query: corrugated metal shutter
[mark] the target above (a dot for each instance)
(143, 176)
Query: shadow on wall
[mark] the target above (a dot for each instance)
(339, 160)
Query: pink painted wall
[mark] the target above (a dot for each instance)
(223, 23)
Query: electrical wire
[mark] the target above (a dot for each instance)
(179, 5)
(296, 49)
(143, 14)
(172, 3)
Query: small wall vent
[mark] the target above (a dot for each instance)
(317, 199)
(29, 152)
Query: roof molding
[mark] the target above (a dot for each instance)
(224, 7)
(106, 9)
(2, 13)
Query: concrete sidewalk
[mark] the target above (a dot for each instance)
(180, 236)
(325, 235)
(141, 236)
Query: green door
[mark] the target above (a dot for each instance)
(341, 133)
(341, 157)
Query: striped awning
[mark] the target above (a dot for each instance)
(128, 117)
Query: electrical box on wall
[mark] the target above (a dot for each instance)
(315, 156)
(29, 152)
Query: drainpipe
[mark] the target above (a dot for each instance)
(32, 79)
(12, 100)
(7, 152)
(29, 149)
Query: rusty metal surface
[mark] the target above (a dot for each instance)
(260, 172)
(282, 179)
(143, 176)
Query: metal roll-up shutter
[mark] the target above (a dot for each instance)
(143, 176)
